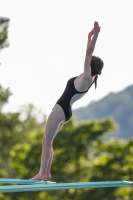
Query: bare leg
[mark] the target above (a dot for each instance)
(48, 171)
(55, 119)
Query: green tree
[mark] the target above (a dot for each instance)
(15, 130)
(4, 24)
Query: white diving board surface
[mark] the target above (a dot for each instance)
(32, 185)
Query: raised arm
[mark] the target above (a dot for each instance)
(90, 48)
(91, 33)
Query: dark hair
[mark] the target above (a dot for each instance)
(96, 67)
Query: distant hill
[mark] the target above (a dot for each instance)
(118, 105)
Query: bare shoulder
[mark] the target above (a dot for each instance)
(82, 82)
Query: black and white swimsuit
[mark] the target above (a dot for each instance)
(69, 92)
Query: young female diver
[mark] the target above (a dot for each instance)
(76, 88)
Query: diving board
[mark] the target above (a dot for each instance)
(22, 181)
(62, 186)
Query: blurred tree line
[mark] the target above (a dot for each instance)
(81, 154)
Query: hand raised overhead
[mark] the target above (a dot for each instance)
(96, 27)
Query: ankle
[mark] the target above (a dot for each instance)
(41, 173)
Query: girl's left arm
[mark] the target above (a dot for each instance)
(90, 48)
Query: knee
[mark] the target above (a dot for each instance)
(46, 142)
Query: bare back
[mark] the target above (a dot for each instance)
(81, 84)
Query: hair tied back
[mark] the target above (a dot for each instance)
(96, 77)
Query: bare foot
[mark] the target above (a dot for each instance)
(41, 177)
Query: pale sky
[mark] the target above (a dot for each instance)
(47, 47)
